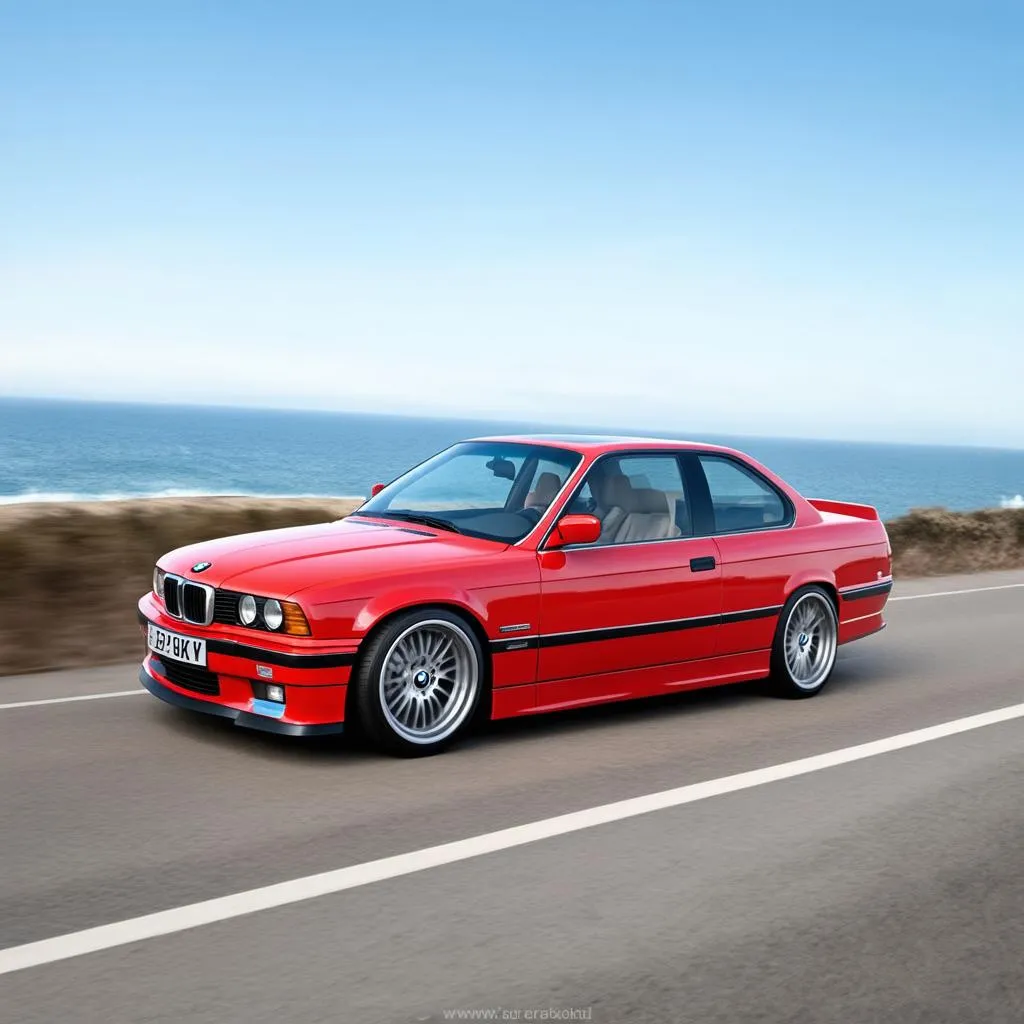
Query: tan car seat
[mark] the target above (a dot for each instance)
(616, 498)
(544, 491)
(648, 516)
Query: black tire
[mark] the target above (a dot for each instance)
(382, 722)
(794, 671)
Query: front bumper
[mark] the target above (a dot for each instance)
(314, 674)
(246, 719)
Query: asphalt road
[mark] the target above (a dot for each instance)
(886, 889)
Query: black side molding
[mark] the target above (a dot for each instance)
(872, 590)
(590, 636)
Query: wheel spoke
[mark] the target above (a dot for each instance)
(437, 643)
(436, 705)
(404, 708)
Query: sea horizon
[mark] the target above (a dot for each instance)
(525, 424)
(58, 449)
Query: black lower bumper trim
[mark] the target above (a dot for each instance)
(245, 719)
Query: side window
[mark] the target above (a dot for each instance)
(740, 498)
(637, 498)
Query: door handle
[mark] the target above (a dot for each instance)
(702, 564)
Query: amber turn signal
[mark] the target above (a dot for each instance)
(295, 623)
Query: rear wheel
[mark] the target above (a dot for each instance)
(419, 682)
(806, 640)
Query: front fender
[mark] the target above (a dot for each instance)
(389, 602)
(489, 609)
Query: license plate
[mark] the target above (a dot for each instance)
(188, 649)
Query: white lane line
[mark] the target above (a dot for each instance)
(223, 908)
(953, 593)
(69, 700)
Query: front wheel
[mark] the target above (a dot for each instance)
(806, 639)
(419, 682)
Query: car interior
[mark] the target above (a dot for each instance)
(544, 491)
(630, 509)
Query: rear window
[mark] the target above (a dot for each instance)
(741, 499)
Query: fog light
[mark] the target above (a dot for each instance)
(275, 693)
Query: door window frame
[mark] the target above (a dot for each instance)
(675, 455)
(695, 488)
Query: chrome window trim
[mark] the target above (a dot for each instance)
(611, 545)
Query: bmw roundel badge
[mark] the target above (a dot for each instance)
(201, 566)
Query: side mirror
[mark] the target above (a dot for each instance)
(575, 529)
(376, 489)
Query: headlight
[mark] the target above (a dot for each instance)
(247, 610)
(273, 614)
(158, 582)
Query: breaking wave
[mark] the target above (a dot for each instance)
(29, 497)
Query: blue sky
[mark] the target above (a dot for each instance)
(770, 218)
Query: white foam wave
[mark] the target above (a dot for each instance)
(1017, 501)
(31, 497)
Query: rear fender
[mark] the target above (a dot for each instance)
(813, 577)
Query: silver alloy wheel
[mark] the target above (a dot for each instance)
(429, 681)
(809, 643)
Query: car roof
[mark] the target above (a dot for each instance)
(594, 443)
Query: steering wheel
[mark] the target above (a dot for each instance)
(587, 506)
(530, 512)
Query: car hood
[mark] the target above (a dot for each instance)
(283, 562)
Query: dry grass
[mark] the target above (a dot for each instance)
(71, 574)
(937, 542)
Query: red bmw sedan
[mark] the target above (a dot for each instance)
(513, 576)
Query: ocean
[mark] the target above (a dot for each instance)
(63, 451)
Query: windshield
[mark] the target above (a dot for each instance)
(495, 490)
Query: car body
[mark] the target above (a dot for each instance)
(551, 571)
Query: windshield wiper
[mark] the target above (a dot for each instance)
(418, 517)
